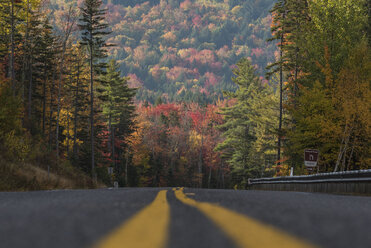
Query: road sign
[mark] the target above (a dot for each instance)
(110, 170)
(311, 157)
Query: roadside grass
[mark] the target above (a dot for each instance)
(20, 176)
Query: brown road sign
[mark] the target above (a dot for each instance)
(311, 157)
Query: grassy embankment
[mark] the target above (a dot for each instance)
(21, 176)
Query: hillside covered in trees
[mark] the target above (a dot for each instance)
(185, 50)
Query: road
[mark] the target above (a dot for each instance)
(169, 217)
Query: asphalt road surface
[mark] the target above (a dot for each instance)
(169, 217)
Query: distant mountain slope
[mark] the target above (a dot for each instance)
(186, 49)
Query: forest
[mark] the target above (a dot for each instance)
(196, 93)
(184, 50)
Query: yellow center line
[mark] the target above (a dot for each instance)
(244, 231)
(148, 228)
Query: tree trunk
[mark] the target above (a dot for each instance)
(51, 116)
(223, 184)
(126, 166)
(30, 94)
(51, 109)
(68, 132)
(92, 110)
(25, 43)
(200, 161)
(59, 103)
(113, 148)
(12, 45)
(296, 89)
(344, 141)
(111, 141)
(44, 99)
(350, 156)
(76, 110)
(209, 180)
(281, 100)
(345, 152)
(69, 26)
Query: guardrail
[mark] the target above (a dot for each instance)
(348, 182)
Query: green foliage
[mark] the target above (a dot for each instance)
(338, 25)
(47, 106)
(313, 112)
(118, 112)
(172, 52)
(116, 95)
(14, 143)
(249, 125)
(321, 48)
(93, 32)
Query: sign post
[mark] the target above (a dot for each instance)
(311, 158)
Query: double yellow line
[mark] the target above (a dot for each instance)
(150, 227)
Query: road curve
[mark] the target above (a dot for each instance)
(176, 217)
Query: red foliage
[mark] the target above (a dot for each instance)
(216, 66)
(257, 52)
(197, 21)
(177, 71)
(176, 135)
(211, 79)
(134, 81)
(164, 109)
(204, 57)
(186, 5)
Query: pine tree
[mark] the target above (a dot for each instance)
(10, 20)
(295, 22)
(249, 124)
(69, 24)
(279, 32)
(31, 71)
(93, 31)
(79, 85)
(118, 110)
(44, 61)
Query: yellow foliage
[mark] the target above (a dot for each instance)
(194, 139)
(183, 53)
(169, 36)
(68, 129)
(236, 9)
(17, 146)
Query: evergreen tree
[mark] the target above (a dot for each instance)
(279, 30)
(32, 72)
(93, 30)
(79, 86)
(10, 20)
(249, 125)
(118, 109)
(44, 66)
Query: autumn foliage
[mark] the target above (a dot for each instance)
(174, 145)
